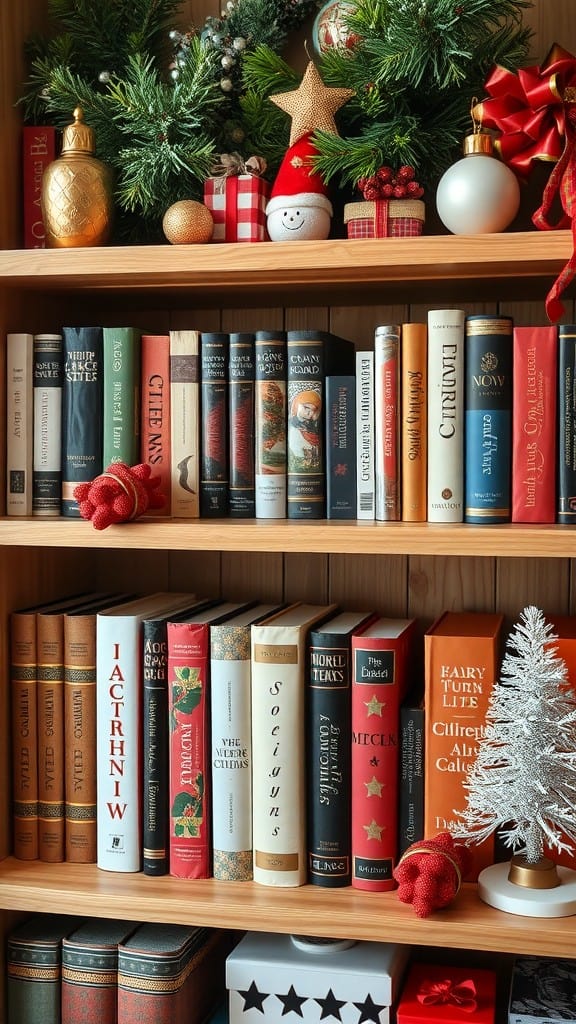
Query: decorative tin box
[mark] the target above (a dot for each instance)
(542, 989)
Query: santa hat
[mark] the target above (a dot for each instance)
(297, 179)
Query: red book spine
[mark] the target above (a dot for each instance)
(534, 431)
(155, 410)
(188, 669)
(38, 150)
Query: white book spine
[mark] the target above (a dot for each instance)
(387, 422)
(365, 493)
(47, 444)
(19, 424)
(185, 424)
(278, 755)
(446, 415)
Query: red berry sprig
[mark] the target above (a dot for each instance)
(385, 184)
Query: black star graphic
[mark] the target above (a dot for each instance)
(369, 1010)
(330, 1006)
(292, 1002)
(374, 761)
(253, 999)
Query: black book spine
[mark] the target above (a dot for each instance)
(341, 447)
(155, 747)
(566, 508)
(82, 410)
(241, 375)
(214, 451)
(411, 789)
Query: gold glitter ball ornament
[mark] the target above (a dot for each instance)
(188, 222)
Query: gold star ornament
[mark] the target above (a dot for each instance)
(312, 105)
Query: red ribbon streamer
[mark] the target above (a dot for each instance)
(381, 218)
(231, 210)
(461, 994)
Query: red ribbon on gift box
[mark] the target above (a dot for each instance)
(226, 175)
(461, 994)
(535, 112)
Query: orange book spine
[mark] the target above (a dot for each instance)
(80, 737)
(23, 689)
(50, 684)
(414, 446)
(462, 659)
(155, 411)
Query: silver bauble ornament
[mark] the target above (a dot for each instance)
(479, 194)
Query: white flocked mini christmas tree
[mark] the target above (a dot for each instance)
(523, 780)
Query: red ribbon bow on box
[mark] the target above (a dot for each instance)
(461, 994)
(535, 112)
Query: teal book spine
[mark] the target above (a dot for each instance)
(34, 969)
(488, 419)
(82, 407)
(121, 422)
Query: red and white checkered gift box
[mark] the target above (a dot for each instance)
(238, 205)
(385, 218)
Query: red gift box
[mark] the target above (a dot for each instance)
(238, 206)
(385, 218)
(447, 994)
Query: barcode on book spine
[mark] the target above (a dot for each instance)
(366, 502)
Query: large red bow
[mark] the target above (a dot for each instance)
(461, 994)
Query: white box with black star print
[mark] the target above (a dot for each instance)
(276, 979)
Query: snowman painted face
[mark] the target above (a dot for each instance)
(291, 219)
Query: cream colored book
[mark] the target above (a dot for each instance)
(19, 424)
(185, 424)
(446, 415)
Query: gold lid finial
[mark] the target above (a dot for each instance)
(479, 141)
(78, 137)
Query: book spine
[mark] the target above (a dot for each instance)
(387, 421)
(566, 499)
(121, 414)
(305, 381)
(241, 373)
(414, 430)
(231, 743)
(185, 424)
(38, 150)
(155, 410)
(82, 407)
(33, 982)
(189, 764)
(80, 767)
(47, 444)
(488, 419)
(534, 427)
(341, 447)
(50, 676)
(155, 747)
(445, 415)
(365, 483)
(89, 985)
(23, 695)
(270, 425)
(19, 424)
(411, 783)
(214, 452)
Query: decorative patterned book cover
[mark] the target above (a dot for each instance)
(279, 651)
(185, 423)
(534, 427)
(231, 744)
(90, 971)
(155, 411)
(542, 990)
(270, 424)
(488, 419)
(50, 725)
(82, 411)
(381, 664)
(170, 974)
(387, 351)
(214, 444)
(312, 355)
(329, 747)
(414, 431)
(341, 447)
(121, 415)
(445, 415)
(366, 487)
(411, 781)
(462, 658)
(241, 396)
(19, 423)
(566, 500)
(34, 969)
(38, 150)
(47, 460)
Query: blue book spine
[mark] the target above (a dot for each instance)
(488, 419)
(341, 447)
(82, 410)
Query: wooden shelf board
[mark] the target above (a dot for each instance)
(346, 913)
(282, 535)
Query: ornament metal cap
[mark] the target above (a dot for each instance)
(541, 875)
(479, 142)
(78, 137)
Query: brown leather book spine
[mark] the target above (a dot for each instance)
(50, 683)
(24, 734)
(80, 737)
(414, 385)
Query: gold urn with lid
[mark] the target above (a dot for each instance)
(76, 196)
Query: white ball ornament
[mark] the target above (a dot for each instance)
(479, 194)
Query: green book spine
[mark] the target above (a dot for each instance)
(34, 968)
(121, 422)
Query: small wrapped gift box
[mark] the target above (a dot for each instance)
(451, 995)
(541, 989)
(238, 200)
(385, 218)
(269, 976)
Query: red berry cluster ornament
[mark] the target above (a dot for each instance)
(430, 872)
(119, 494)
(387, 184)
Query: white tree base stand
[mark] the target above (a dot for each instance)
(495, 889)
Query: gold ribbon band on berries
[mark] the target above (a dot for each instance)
(442, 853)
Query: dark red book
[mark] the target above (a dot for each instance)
(534, 430)
(90, 971)
(38, 150)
